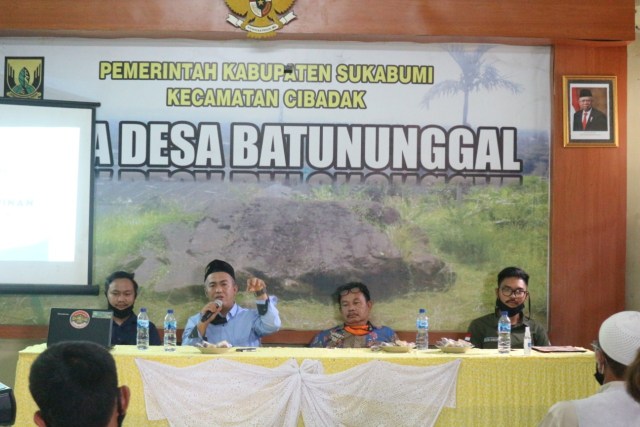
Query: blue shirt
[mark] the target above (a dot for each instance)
(244, 326)
(126, 333)
(338, 337)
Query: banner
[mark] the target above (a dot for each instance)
(420, 170)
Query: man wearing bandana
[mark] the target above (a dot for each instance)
(121, 291)
(221, 319)
(357, 331)
(511, 294)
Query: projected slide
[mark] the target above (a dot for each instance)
(46, 155)
(38, 197)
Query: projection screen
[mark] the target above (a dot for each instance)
(46, 182)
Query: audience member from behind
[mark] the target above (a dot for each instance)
(357, 331)
(511, 294)
(75, 384)
(618, 344)
(633, 378)
(221, 319)
(121, 291)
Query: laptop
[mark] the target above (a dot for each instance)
(80, 324)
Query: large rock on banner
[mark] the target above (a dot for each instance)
(301, 248)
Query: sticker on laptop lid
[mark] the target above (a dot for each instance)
(102, 314)
(79, 319)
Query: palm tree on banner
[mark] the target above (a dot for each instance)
(476, 75)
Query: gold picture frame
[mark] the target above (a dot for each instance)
(590, 116)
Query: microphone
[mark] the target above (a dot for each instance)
(209, 313)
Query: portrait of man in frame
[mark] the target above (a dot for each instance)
(589, 111)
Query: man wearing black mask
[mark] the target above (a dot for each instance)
(613, 405)
(121, 291)
(511, 294)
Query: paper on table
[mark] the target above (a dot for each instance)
(559, 349)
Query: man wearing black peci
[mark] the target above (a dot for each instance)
(221, 319)
(588, 118)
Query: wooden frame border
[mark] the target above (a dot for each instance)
(600, 128)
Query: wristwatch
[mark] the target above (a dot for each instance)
(262, 308)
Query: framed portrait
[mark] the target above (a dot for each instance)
(590, 111)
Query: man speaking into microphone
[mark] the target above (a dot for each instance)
(221, 319)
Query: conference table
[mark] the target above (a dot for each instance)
(487, 388)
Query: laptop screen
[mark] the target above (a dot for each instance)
(80, 324)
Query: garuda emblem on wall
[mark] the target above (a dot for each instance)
(262, 18)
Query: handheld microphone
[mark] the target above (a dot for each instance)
(209, 313)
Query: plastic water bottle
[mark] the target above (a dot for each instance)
(170, 327)
(142, 338)
(527, 341)
(504, 333)
(422, 327)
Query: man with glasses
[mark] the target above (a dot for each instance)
(511, 294)
(612, 406)
(357, 331)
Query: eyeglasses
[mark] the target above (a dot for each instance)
(354, 290)
(507, 292)
(595, 345)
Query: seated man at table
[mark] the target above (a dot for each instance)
(617, 345)
(221, 319)
(75, 384)
(121, 291)
(357, 331)
(511, 294)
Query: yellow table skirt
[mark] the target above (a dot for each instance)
(492, 390)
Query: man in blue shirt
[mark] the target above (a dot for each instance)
(221, 319)
(121, 291)
(357, 331)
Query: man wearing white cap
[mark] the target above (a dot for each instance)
(618, 343)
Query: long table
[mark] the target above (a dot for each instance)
(492, 389)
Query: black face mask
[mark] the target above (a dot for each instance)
(512, 311)
(598, 376)
(121, 314)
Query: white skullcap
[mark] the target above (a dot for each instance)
(619, 336)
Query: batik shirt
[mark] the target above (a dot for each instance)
(338, 337)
